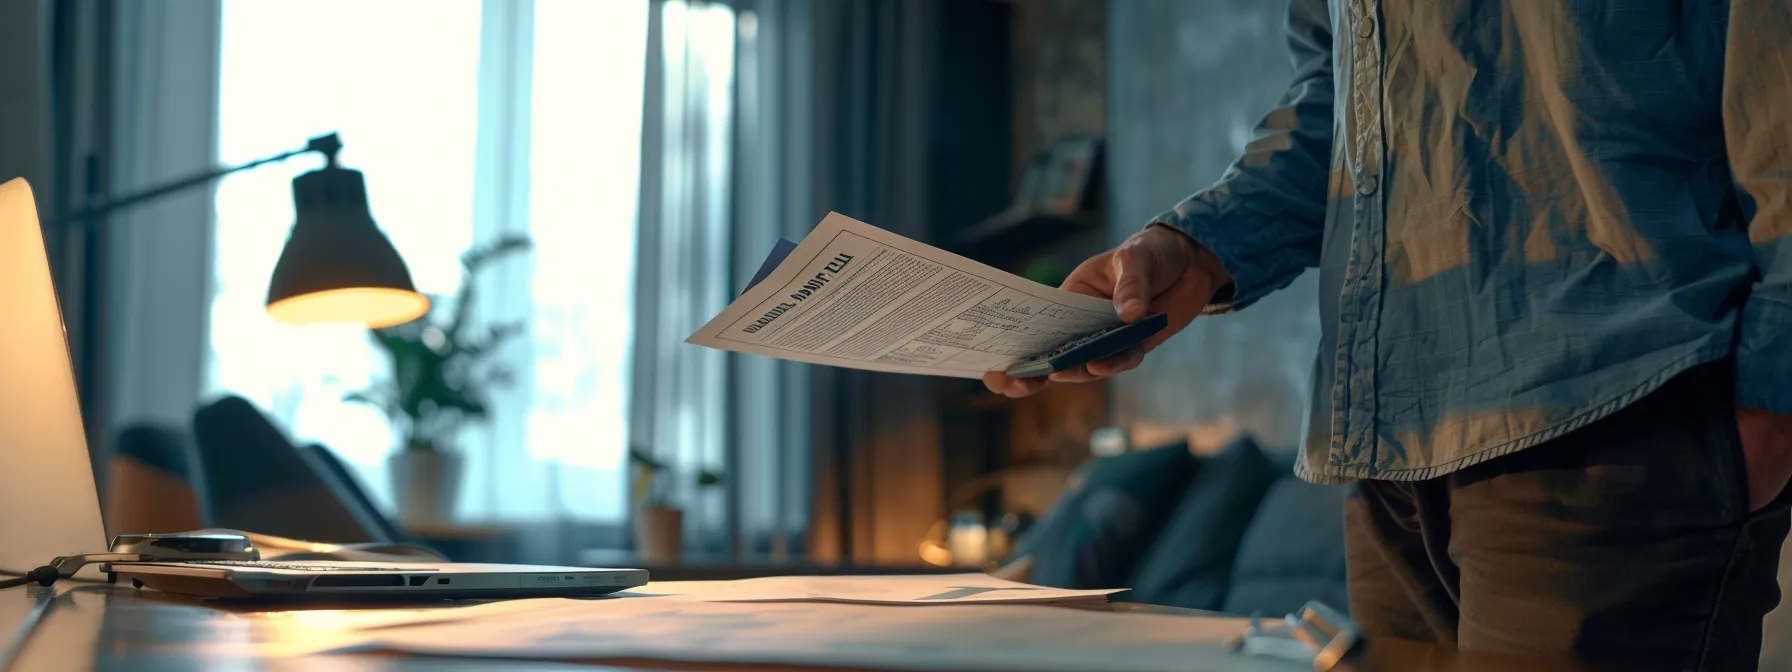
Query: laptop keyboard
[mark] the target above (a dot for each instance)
(304, 567)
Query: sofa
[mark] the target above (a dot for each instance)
(1232, 532)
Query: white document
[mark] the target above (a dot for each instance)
(856, 296)
(334, 629)
(919, 590)
(330, 629)
(972, 637)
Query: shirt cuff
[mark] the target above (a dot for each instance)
(1244, 277)
(1764, 356)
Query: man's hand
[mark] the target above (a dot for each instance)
(1767, 450)
(1157, 270)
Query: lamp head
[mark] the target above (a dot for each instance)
(337, 265)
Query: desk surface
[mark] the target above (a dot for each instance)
(112, 628)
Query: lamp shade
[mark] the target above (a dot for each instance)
(337, 265)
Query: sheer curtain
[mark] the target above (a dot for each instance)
(502, 116)
(680, 412)
(25, 95)
(770, 458)
(165, 64)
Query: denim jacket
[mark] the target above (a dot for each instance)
(1525, 216)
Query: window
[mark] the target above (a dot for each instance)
(470, 119)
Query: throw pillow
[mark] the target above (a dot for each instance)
(1191, 564)
(1093, 537)
(1293, 551)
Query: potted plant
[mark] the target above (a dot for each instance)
(659, 522)
(441, 380)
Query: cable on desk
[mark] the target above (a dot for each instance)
(36, 576)
(43, 576)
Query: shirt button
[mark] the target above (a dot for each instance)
(1367, 185)
(1365, 28)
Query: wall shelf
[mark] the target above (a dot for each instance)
(1018, 233)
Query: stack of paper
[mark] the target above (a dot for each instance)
(994, 637)
(975, 622)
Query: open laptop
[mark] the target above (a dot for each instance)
(49, 506)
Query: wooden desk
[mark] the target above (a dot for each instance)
(114, 628)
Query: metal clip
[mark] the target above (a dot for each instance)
(1317, 633)
(183, 547)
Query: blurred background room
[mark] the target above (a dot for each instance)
(580, 184)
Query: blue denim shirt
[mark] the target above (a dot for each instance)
(1526, 215)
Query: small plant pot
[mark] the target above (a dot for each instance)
(425, 485)
(659, 534)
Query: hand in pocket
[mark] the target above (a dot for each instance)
(1767, 450)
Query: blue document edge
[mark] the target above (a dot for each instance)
(779, 252)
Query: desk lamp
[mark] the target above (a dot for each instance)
(337, 266)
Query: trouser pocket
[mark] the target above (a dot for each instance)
(1719, 378)
(1780, 503)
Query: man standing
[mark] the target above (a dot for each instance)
(1555, 253)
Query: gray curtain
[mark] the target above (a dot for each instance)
(158, 255)
(877, 436)
(830, 112)
(25, 94)
(679, 397)
(80, 52)
(770, 439)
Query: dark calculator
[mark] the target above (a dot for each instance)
(1089, 348)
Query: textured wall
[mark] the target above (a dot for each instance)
(1187, 82)
(1060, 72)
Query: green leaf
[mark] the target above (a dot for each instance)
(640, 457)
(472, 261)
(708, 478)
(432, 390)
(480, 256)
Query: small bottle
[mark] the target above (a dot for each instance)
(968, 538)
(1108, 442)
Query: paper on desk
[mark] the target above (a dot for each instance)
(976, 637)
(856, 296)
(329, 629)
(920, 590)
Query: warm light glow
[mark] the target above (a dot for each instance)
(375, 307)
(933, 550)
(934, 554)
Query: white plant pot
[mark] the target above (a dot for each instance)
(425, 485)
(659, 534)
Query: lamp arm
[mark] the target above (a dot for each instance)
(328, 145)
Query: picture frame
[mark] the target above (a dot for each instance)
(1071, 177)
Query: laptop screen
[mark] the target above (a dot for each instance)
(46, 480)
